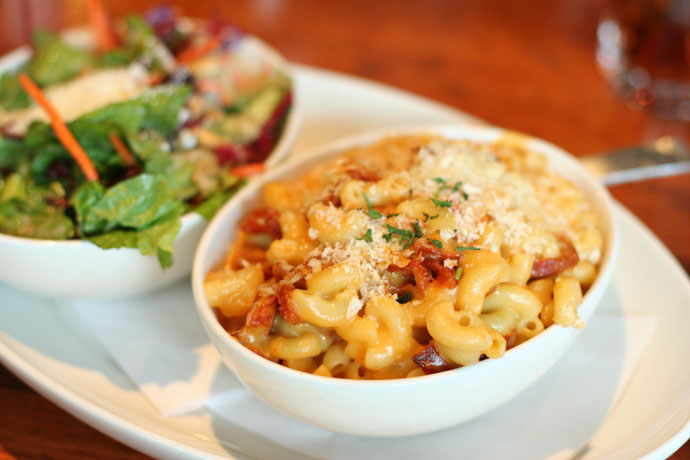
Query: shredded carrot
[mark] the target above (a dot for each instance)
(100, 24)
(192, 54)
(122, 149)
(155, 78)
(248, 170)
(60, 128)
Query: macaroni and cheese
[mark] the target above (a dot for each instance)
(409, 256)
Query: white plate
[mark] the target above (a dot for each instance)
(48, 348)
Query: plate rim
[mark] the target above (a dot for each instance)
(155, 444)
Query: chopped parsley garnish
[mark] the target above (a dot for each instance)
(458, 273)
(436, 243)
(406, 297)
(407, 244)
(417, 229)
(406, 236)
(466, 248)
(367, 237)
(392, 215)
(465, 196)
(442, 203)
(373, 214)
(441, 185)
(399, 231)
(427, 217)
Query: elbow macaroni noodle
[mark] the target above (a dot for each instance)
(409, 256)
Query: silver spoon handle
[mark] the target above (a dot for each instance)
(665, 156)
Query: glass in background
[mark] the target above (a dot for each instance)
(643, 49)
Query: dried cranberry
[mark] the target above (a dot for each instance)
(235, 154)
(162, 19)
(263, 145)
(59, 202)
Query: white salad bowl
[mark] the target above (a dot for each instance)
(398, 407)
(80, 269)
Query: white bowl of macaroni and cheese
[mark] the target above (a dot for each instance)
(403, 281)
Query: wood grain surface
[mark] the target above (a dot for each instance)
(526, 65)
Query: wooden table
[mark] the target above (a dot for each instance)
(524, 65)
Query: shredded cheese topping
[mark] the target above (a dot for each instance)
(477, 187)
(81, 95)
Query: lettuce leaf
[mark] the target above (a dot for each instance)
(119, 57)
(25, 211)
(20, 188)
(83, 198)
(134, 203)
(138, 213)
(12, 153)
(141, 40)
(19, 219)
(54, 60)
(177, 170)
(147, 144)
(12, 95)
(159, 239)
(163, 106)
(93, 137)
(115, 239)
(129, 115)
(210, 206)
(14, 188)
(156, 109)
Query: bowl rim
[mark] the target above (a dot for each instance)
(17, 57)
(321, 153)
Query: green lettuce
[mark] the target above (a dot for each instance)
(25, 210)
(141, 40)
(12, 95)
(133, 203)
(177, 171)
(157, 240)
(55, 61)
(156, 109)
(45, 222)
(83, 198)
(210, 206)
(119, 57)
(139, 212)
(12, 153)
(147, 144)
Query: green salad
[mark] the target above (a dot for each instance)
(172, 114)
